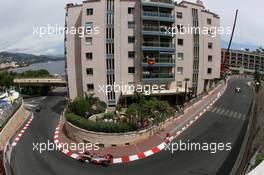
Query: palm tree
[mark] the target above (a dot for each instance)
(185, 89)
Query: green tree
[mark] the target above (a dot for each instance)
(81, 106)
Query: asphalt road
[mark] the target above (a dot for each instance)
(224, 123)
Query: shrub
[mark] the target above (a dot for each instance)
(99, 126)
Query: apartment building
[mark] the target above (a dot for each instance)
(133, 47)
(243, 61)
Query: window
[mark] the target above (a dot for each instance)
(89, 71)
(131, 10)
(180, 28)
(110, 18)
(131, 39)
(209, 21)
(180, 56)
(209, 70)
(179, 15)
(180, 42)
(131, 54)
(179, 84)
(88, 27)
(131, 70)
(110, 49)
(88, 40)
(90, 87)
(89, 55)
(179, 70)
(89, 11)
(210, 45)
(210, 58)
(131, 24)
(109, 33)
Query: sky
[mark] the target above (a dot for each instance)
(17, 19)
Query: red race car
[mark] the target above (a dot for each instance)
(100, 160)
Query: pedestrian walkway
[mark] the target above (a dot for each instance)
(228, 113)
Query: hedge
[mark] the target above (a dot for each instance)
(105, 127)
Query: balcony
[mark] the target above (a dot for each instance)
(158, 46)
(156, 16)
(158, 3)
(158, 62)
(155, 30)
(158, 77)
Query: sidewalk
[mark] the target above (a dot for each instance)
(173, 126)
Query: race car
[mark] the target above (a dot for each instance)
(100, 160)
(237, 89)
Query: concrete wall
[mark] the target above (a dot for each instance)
(120, 139)
(13, 124)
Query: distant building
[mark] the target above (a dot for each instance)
(133, 47)
(11, 64)
(244, 61)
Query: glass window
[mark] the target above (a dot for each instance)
(209, 21)
(131, 39)
(89, 40)
(180, 70)
(210, 58)
(179, 15)
(210, 45)
(90, 87)
(131, 10)
(89, 11)
(209, 70)
(89, 55)
(131, 70)
(180, 56)
(131, 54)
(131, 24)
(180, 42)
(89, 71)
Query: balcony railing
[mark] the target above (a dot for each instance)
(159, 44)
(157, 75)
(160, 60)
(156, 28)
(157, 14)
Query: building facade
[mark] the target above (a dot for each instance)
(243, 61)
(131, 42)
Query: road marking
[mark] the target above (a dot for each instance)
(239, 116)
(215, 108)
(227, 111)
(222, 112)
(133, 157)
(235, 114)
(20, 134)
(148, 153)
(219, 109)
(244, 117)
(231, 113)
